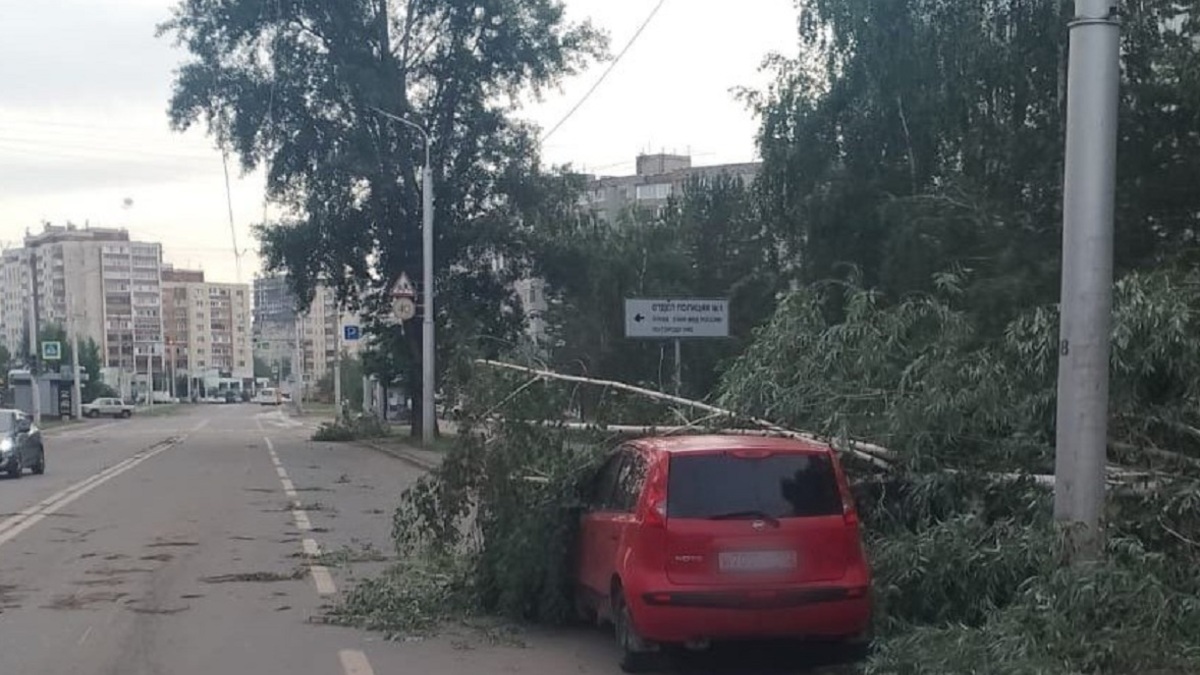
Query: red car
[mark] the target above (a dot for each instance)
(686, 540)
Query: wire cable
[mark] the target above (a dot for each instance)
(607, 71)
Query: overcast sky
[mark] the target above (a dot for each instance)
(84, 86)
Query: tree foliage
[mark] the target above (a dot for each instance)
(89, 359)
(911, 137)
(708, 242)
(293, 87)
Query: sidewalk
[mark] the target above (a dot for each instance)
(404, 451)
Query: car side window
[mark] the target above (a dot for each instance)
(630, 479)
(605, 482)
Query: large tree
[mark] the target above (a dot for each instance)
(916, 136)
(293, 86)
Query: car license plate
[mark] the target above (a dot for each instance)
(757, 561)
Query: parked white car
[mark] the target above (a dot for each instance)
(107, 407)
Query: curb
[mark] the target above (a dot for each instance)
(406, 457)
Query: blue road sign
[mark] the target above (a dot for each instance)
(51, 351)
(352, 333)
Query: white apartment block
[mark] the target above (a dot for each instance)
(95, 282)
(15, 291)
(207, 330)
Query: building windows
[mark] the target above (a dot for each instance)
(653, 191)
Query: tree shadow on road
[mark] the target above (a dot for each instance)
(764, 658)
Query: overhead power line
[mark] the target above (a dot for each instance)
(603, 76)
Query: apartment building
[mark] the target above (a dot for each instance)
(307, 342)
(95, 282)
(15, 290)
(131, 282)
(207, 330)
(658, 177)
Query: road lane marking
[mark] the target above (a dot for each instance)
(355, 662)
(83, 638)
(27, 512)
(323, 580)
(203, 423)
(14, 526)
(302, 521)
(321, 577)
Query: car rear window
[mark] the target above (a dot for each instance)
(781, 486)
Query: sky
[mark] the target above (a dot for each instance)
(84, 138)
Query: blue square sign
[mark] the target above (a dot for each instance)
(352, 333)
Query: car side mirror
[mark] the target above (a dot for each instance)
(24, 426)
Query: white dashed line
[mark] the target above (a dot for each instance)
(355, 662)
(203, 423)
(311, 547)
(323, 580)
(302, 521)
(352, 662)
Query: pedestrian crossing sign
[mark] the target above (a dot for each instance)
(51, 351)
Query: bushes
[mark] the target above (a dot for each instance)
(356, 428)
(508, 506)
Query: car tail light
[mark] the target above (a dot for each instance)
(849, 509)
(655, 514)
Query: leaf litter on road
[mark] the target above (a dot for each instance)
(256, 577)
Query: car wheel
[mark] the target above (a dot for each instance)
(15, 470)
(126, 414)
(637, 655)
(93, 414)
(40, 467)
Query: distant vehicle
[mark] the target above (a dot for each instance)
(687, 540)
(20, 444)
(268, 396)
(108, 407)
(231, 396)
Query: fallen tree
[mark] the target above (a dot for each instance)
(959, 529)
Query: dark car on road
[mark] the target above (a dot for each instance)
(20, 444)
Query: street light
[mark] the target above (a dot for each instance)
(427, 326)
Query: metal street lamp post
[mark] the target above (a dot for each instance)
(427, 325)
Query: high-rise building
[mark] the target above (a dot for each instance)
(207, 332)
(93, 282)
(15, 290)
(307, 343)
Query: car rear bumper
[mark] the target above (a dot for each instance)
(814, 612)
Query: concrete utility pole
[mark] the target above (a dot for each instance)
(1088, 196)
(34, 389)
(76, 403)
(428, 372)
(337, 368)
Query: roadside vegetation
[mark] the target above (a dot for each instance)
(893, 274)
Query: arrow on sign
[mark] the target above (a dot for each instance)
(639, 318)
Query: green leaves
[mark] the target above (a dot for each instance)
(291, 86)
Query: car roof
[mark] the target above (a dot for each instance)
(719, 442)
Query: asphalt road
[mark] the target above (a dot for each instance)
(183, 545)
